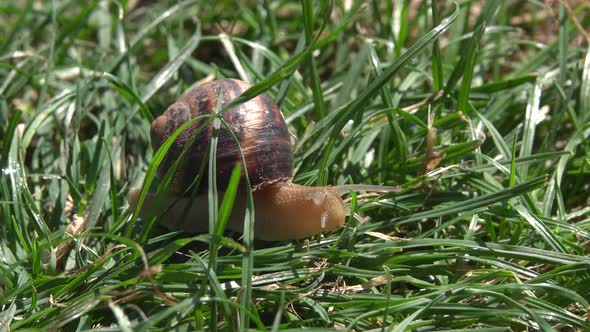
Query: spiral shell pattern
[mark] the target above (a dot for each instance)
(258, 125)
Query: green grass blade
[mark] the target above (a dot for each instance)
(356, 105)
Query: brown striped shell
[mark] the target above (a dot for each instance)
(258, 124)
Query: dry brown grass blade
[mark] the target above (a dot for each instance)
(432, 158)
(375, 282)
(572, 16)
(76, 226)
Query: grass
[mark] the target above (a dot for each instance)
(480, 111)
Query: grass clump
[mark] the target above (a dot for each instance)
(480, 111)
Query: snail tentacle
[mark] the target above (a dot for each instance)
(344, 189)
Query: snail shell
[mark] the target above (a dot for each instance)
(258, 125)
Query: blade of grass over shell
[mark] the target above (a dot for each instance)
(165, 187)
(212, 194)
(152, 169)
(229, 197)
(248, 235)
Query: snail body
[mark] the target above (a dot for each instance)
(283, 210)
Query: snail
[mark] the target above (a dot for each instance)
(283, 210)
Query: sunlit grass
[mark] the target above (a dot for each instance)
(480, 112)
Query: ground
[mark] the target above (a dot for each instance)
(479, 113)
